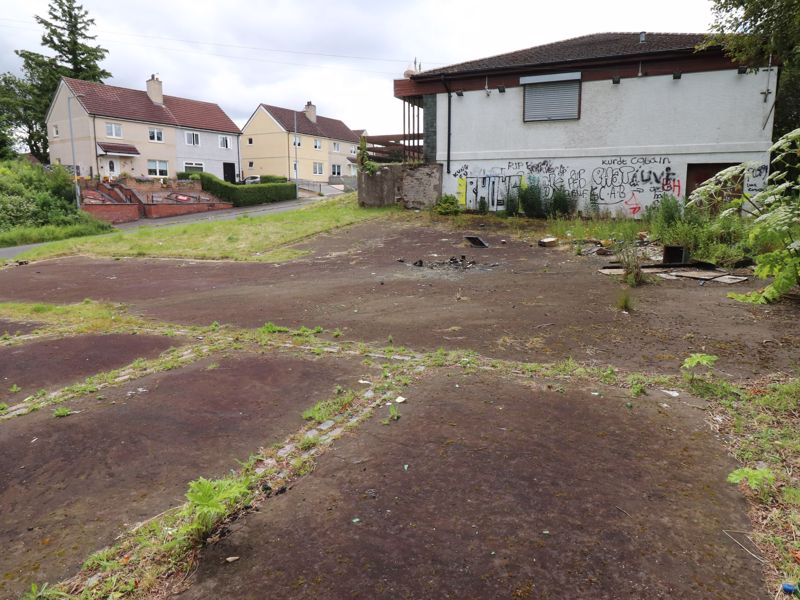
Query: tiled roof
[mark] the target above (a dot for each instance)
(111, 148)
(135, 105)
(587, 47)
(324, 127)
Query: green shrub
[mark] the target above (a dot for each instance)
(247, 195)
(561, 204)
(31, 196)
(483, 206)
(447, 205)
(530, 198)
(512, 204)
(273, 179)
(183, 175)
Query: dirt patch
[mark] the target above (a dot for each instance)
(488, 489)
(48, 364)
(15, 328)
(538, 304)
(70, 485)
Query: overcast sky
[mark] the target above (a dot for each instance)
(341, 55)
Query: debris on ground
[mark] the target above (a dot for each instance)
(548, 242)
(476, 241)
(454, 262)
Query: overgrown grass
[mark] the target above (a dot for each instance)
(328, 409)
(18, 236)
(84, 317)
(244, 238)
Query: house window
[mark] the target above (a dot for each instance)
(55, 131)
(155, 134)
(352, 169)
(336, 146)
(353, 150)
(224, 141)
(192, 138)
(113, 130)
(336, 170)
(190, 167)
(157, 168)
(296, 141)
(250, 164)
(317, 144)
(551, 97)
(318, 168)
(249, 141)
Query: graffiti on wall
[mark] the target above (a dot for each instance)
(755, 178)
(622, 183)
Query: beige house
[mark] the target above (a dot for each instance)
(297, 144)
(141, 133)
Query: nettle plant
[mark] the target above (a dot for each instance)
(775, 211)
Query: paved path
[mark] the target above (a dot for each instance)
(223, 215)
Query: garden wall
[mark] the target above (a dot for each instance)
(413, 186)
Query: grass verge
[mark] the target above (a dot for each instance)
(245, 238)
(48, 233)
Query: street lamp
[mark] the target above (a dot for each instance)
(72, 147)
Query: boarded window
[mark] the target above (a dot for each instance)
(551, 101)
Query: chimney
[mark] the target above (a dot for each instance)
(154, 90)
(311, 112)
(642, 37)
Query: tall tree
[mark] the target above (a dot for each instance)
(25, 100)
(752, 32)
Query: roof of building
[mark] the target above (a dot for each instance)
(324, 127)
(113, 148)
(588, 47)
(135, 105)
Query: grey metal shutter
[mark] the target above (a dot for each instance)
(553, 100)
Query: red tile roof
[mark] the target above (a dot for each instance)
(324, 127)
(135, 105)
(111, 148)
(584, 48)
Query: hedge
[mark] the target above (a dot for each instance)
(273, 179)
(247, 195)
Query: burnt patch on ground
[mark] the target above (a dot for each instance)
(14, 328)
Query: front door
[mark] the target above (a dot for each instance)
(229, 172)
(112, 168)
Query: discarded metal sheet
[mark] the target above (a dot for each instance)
(476, 241)
(730, 279)
(703, 275)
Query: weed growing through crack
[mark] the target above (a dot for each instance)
(327, 409)
(62, 411)
(14, 389)
(638, 385)
(43, 593)
(3, 408)
(625, 302)
(308, 442)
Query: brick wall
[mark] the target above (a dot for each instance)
(413, 186)
(158, 211)
(113, 213)
(186, 187)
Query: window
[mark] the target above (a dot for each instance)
(113, 130)
(294, 168)
(155, 134)
(55, 130)
(353, 150)
(336, 147)
(190, 167)
(296, 141)
(192, 138)
(352, 169)
(249, 141)
(157, 168)
(336, 170)
(551, 97)
(317, 144)
(224, 141)
(318, 168)
(250, 164)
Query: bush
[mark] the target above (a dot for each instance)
(247, 195)
(512, 204)
(273, 179)
(530, 198)
(664, 213)
(561, 204)
(183, 175)
(447, 205)
(31, 196)
(483, 206)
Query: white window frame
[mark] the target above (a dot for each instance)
(549, 87)
(195, 135)
(353, 150)
(317, 144)
(55, 131)
(337, 147)
(155, 135)
(297, 142)
(294, 168)
(115, 129)
(225, 142)
(319, 168)
(352, 169)
(187, 165)
(157, 168)
(336, 170)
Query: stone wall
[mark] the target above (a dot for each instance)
(413, 186)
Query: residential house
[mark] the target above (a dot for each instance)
(142, 133)
(297, 144)
(616, 119)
